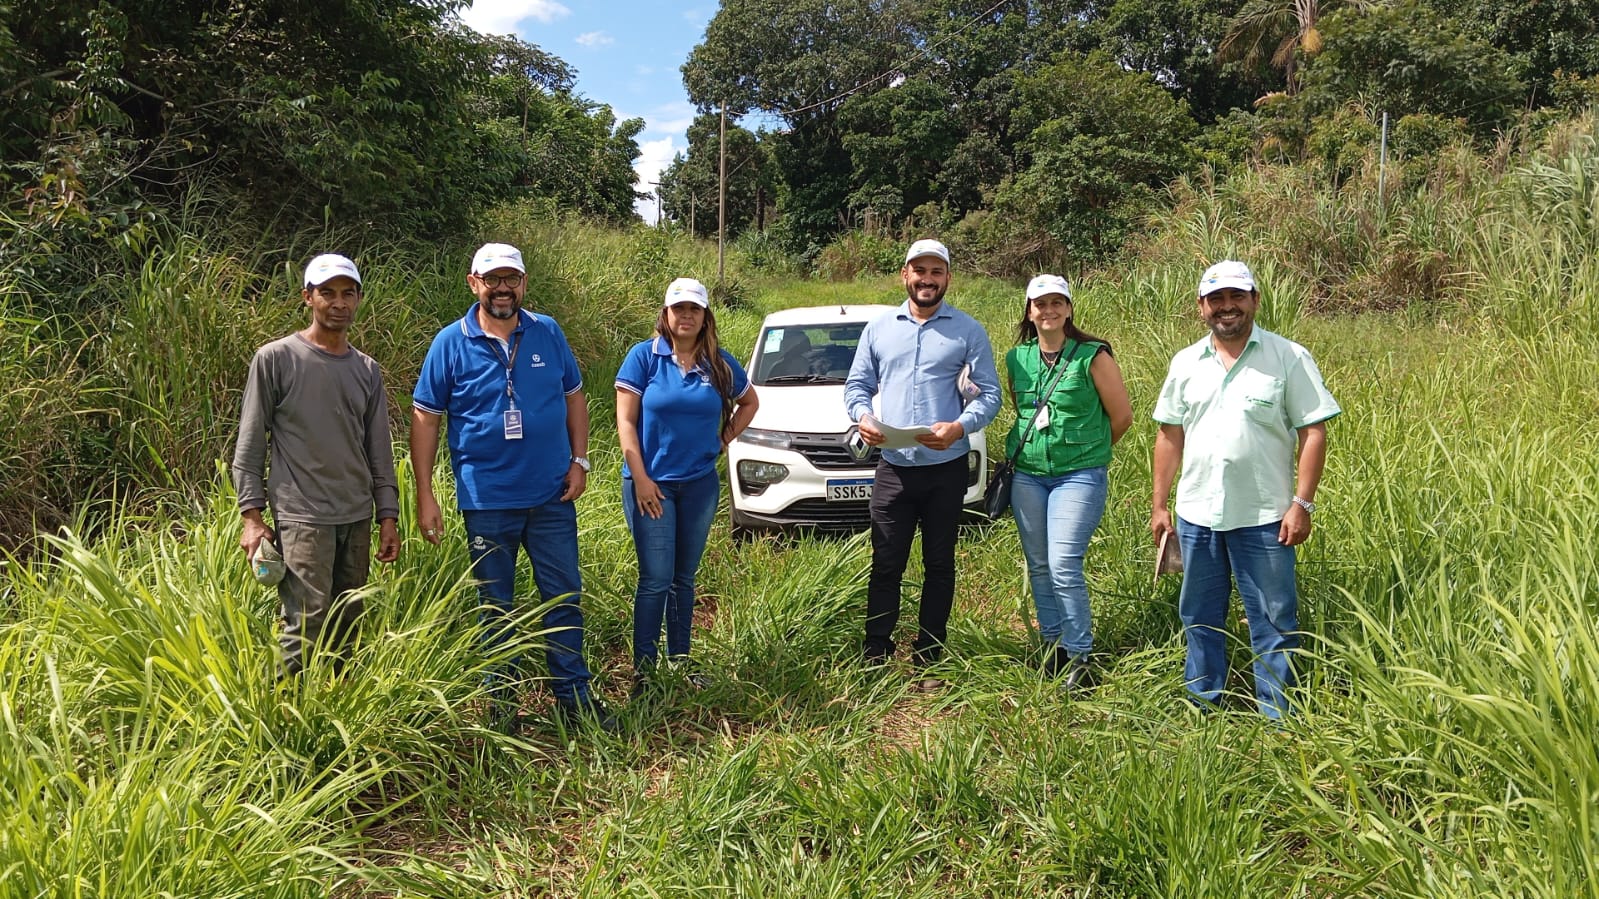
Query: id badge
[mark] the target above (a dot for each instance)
(513, 424)
(1041, 420)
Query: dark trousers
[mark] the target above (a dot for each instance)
(903, 498)
(323, 564)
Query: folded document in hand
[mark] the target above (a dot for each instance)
(899, 438)
(1168, 555)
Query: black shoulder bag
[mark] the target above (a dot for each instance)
(996, 499)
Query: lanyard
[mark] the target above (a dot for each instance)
(510, 365)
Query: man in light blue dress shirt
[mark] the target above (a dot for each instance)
(911, 362)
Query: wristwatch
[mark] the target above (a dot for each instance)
(583, 463)
(1305, 504)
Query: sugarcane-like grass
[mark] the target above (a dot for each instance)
(1444, 745)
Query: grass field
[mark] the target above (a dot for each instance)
(1446, 746)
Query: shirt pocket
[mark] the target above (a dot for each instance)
(1261, 396)
(1076, 434)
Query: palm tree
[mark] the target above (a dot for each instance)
(1287, 26)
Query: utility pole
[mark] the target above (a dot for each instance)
(658, 201)
(721, 199)
(1382, 167)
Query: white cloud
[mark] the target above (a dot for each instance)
(671, 118)
(593, 39)
(654, 157)
(502, 16)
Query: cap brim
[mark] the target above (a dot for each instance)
(1225, 283)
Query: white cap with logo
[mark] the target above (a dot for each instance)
(1226, 273)
(1044, 285)
(927, 247)
(687, 290)
(493, 256)
(328, 266)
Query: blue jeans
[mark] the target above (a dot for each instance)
(549, 535)
(669, 550)
(1055, 517)
(1264, 570)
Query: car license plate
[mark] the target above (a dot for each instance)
(847, 489)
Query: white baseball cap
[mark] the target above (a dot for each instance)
(1044, 285)
(927, 248)
(1226, 273)
(491, 256)
(328, 266)
(687, 290)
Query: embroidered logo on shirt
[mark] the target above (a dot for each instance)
(538, 361)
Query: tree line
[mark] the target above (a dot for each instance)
(283, 116)
(1042, 130)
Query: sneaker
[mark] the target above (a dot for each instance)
(572, 716)
(697, 681)
(929, 685)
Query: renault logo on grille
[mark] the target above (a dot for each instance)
(859, 449)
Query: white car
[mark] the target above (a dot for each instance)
(802, 462)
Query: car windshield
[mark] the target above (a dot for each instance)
(807, 354)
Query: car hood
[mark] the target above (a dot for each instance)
(802, 408)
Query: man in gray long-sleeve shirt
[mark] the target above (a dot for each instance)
(322, 402)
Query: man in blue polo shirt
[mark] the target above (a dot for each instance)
(518, 435)
(1231, 412)
(912, 362)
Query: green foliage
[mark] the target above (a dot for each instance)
(856, 253)
(781, 55)
(1102, 143)
(1176, 42)
(1419, 142)
(689, 185)
(1342, 141)
(897, 140)
(97, 409)
(1548, 40)
(1407, 58)
(379, 116)
(1445, 746)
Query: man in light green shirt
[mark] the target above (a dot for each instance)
(1238, 410)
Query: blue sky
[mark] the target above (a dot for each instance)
(627, 53)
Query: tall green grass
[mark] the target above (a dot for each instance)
(1446, 745)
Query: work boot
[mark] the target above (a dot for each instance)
(588, 712)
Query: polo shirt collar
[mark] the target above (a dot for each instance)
(1209, 342)
(943, 310)
(661, 347)
(472, 328)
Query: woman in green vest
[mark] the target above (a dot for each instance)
(1071, 406)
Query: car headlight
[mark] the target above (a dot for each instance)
(974, 464)
(761, 474)
(773, 439)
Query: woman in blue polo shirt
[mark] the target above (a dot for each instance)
(680, 399)
(1067, 385)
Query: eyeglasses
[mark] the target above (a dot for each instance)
(502, 280)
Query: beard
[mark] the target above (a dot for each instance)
(911, 291)
(495, 312)
(1231, 329)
